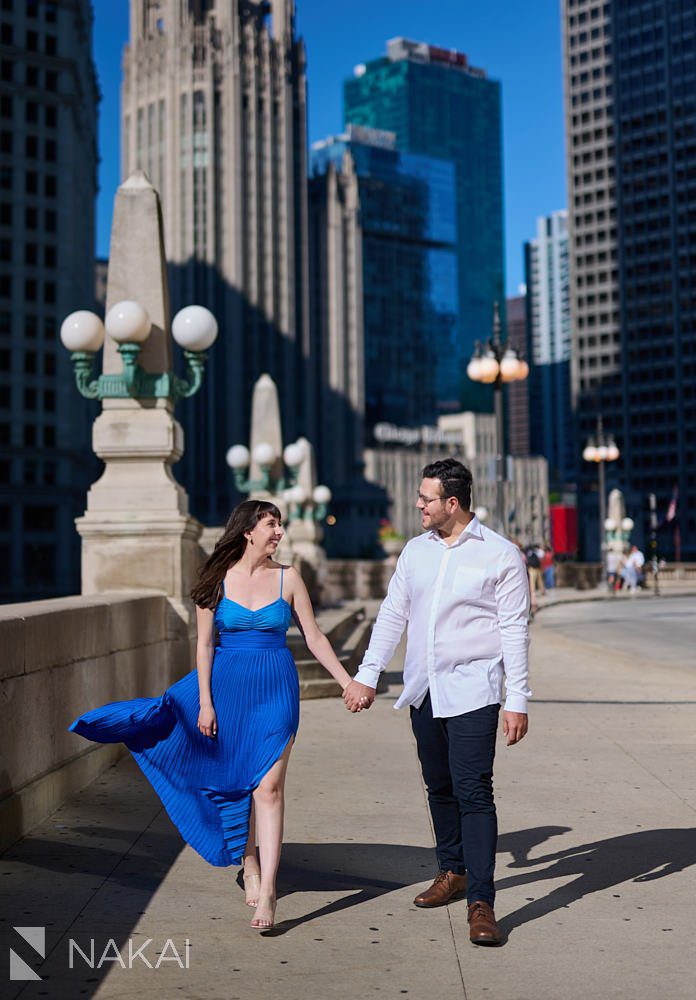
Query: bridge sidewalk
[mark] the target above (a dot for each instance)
(595, 869)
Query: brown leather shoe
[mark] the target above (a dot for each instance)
(483, 928)
(447, 886)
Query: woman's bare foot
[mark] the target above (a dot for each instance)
(252, 883)
(265, 914)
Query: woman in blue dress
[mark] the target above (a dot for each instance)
(216, 744)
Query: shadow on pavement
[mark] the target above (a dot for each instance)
(638, 857)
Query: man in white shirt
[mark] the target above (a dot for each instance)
(462, 591)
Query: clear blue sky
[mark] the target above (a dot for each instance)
(517, 43)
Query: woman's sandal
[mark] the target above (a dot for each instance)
(263, 923)
(252, 891)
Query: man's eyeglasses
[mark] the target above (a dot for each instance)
(427, 500)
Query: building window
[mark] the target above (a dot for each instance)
(50, 186)
(30, 359)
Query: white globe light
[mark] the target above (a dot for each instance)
(322, 494)
(610, 524)
(602, 452)
(299, 494)
(194, 328)
(128, 323)
(488, 369)
(293, 455)
(522, 370)
(612, 452)
(627, 524)
(590, 454)
(473, 369)
(287, 494)
(510, 367)
(481, 513)
(264, 454)
(82, 331)
(237, 457)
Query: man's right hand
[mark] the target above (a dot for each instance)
(358, 696)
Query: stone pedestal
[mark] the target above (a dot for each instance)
(137, 532)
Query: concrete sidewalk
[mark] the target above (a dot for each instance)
(595, 871)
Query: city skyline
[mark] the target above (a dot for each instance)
(534, 152)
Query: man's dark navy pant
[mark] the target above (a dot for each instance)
(456, 756)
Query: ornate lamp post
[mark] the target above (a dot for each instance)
(303, 506)
(239, 460)
(601, 450)
(496, 363)
(128, 324)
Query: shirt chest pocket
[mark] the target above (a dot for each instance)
(468, 581)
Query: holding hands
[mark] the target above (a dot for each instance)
(358, 696)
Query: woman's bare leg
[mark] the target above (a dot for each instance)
(269, 805)
(252, 873)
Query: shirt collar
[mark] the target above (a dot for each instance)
(473, 528)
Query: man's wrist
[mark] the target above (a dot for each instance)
(516, 703)
(369, 676)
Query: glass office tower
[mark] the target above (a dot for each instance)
(440, 106)
(631, 124)
(409, 276)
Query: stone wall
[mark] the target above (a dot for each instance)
(60, 658)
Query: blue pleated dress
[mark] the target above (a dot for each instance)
(205, 783)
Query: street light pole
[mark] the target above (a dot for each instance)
(654, 561)
(496, 364)
(601, 452)
(602, 516)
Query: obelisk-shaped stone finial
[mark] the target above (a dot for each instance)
(265, 425)
(137, 270)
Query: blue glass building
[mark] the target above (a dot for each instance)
(440, 106)
(412, 350)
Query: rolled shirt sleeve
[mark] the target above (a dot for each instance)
(512, 601)
(389, 626)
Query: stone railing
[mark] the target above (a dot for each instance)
(356, 579)
(60, 658)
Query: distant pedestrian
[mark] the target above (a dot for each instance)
(632, 571)
(548, 568)
(613, 566)
(534, 556)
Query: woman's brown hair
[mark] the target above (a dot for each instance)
(229, 550)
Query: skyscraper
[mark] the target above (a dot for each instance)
(48, 184)
(409, 275)
(630, 120)
(214, 111)
(549, 348)
(440, 106)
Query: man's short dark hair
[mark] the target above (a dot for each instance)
(455, 478)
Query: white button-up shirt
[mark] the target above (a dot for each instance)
(466, 606)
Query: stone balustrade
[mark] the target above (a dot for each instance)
(60, 658)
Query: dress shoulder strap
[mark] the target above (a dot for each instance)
(282, 570)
